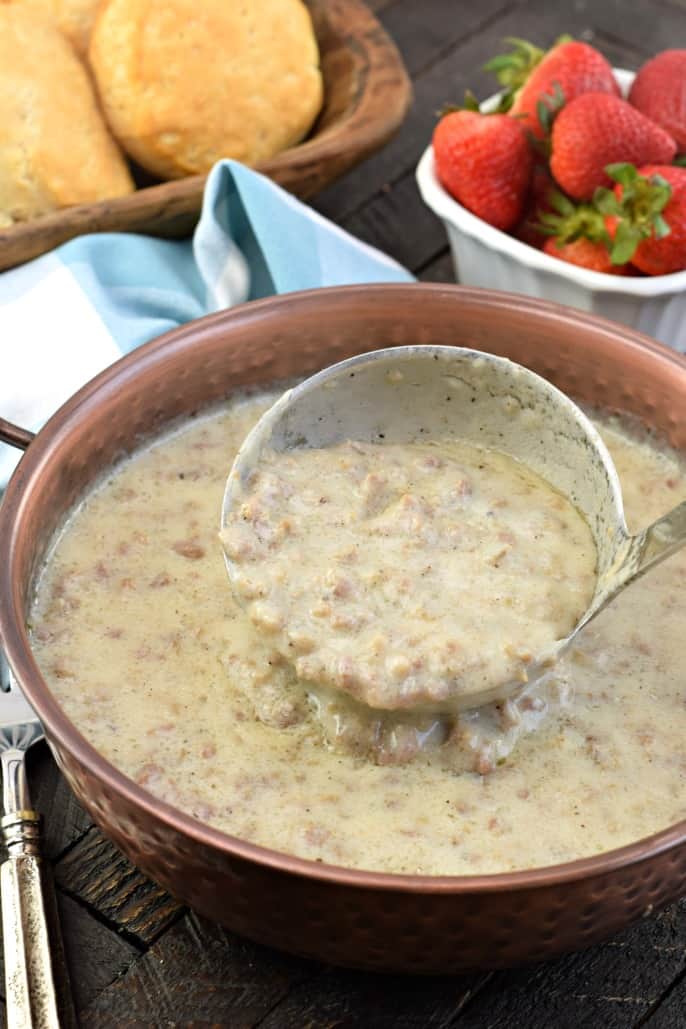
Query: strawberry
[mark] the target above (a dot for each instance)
(485, 162)
(533, 79)
(659, 92)
(645, 215)
(577, 234)
(538, 201)
(597, 129)
(586, 254)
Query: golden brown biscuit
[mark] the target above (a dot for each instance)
(75, 18)
(55, 149)
(184, 83)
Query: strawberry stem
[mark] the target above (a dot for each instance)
(548, 106)
(638, 209)
(513, 69)
(470, 103)
(569, 221)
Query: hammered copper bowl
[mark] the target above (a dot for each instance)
(364, 919)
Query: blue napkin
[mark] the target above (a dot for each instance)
(67, 315)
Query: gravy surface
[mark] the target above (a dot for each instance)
(137, 633)
(408, 575)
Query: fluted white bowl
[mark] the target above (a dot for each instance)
(485, 256)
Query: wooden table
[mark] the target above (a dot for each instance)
(138, 958)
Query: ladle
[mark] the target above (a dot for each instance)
(401, 394)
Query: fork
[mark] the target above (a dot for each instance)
(29, 982)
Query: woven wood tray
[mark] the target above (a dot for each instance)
(367, 93)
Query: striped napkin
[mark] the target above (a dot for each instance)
(67, 315)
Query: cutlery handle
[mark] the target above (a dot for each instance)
(29, 984)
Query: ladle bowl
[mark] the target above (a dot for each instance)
(403, 394)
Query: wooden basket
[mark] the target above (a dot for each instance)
(367, 93)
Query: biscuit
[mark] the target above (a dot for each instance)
(75, 18)
(184, 83)
(55, 149)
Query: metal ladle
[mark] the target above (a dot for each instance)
(403, 394)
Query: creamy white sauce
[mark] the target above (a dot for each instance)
(137, 634)
(408, 575)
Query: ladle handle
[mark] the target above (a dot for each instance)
(656, 543)
(14, 434)
(636, 555)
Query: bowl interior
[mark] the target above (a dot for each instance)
(599, 363)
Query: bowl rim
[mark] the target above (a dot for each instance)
(457, 216)
(15, 642)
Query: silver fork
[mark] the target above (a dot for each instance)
(29, 982)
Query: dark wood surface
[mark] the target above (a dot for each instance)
(137, 958)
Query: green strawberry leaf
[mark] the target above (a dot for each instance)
(622, 172)
(606, 202)
(499, 63)
(627, 238)
(561, 203)
(513, 69)
(638, 209)
(470, 101)
(660, 227)
(530, 50)
(680, 160)
(569, 221)
(549, 105)
(659, 180)
(543, 113)
(542, 224)
(505, 102)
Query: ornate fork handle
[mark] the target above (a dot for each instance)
(30, 990)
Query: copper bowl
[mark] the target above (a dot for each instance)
(363, 919)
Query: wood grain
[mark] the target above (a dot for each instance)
(101, 877)
(613, 986)
(199, 975)
(670, 1011)
(383, 223)
(424, 32)
(348, 1000)
(95, 955)
(439, 269)
(366, 95)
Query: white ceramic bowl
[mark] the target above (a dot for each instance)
(484, 256)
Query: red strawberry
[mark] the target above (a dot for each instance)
(532, 77)
(646, 216)
(587, 254)
(577, 234)
(538, 201)
(596, 130)
(659, 92)
(485, 162)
